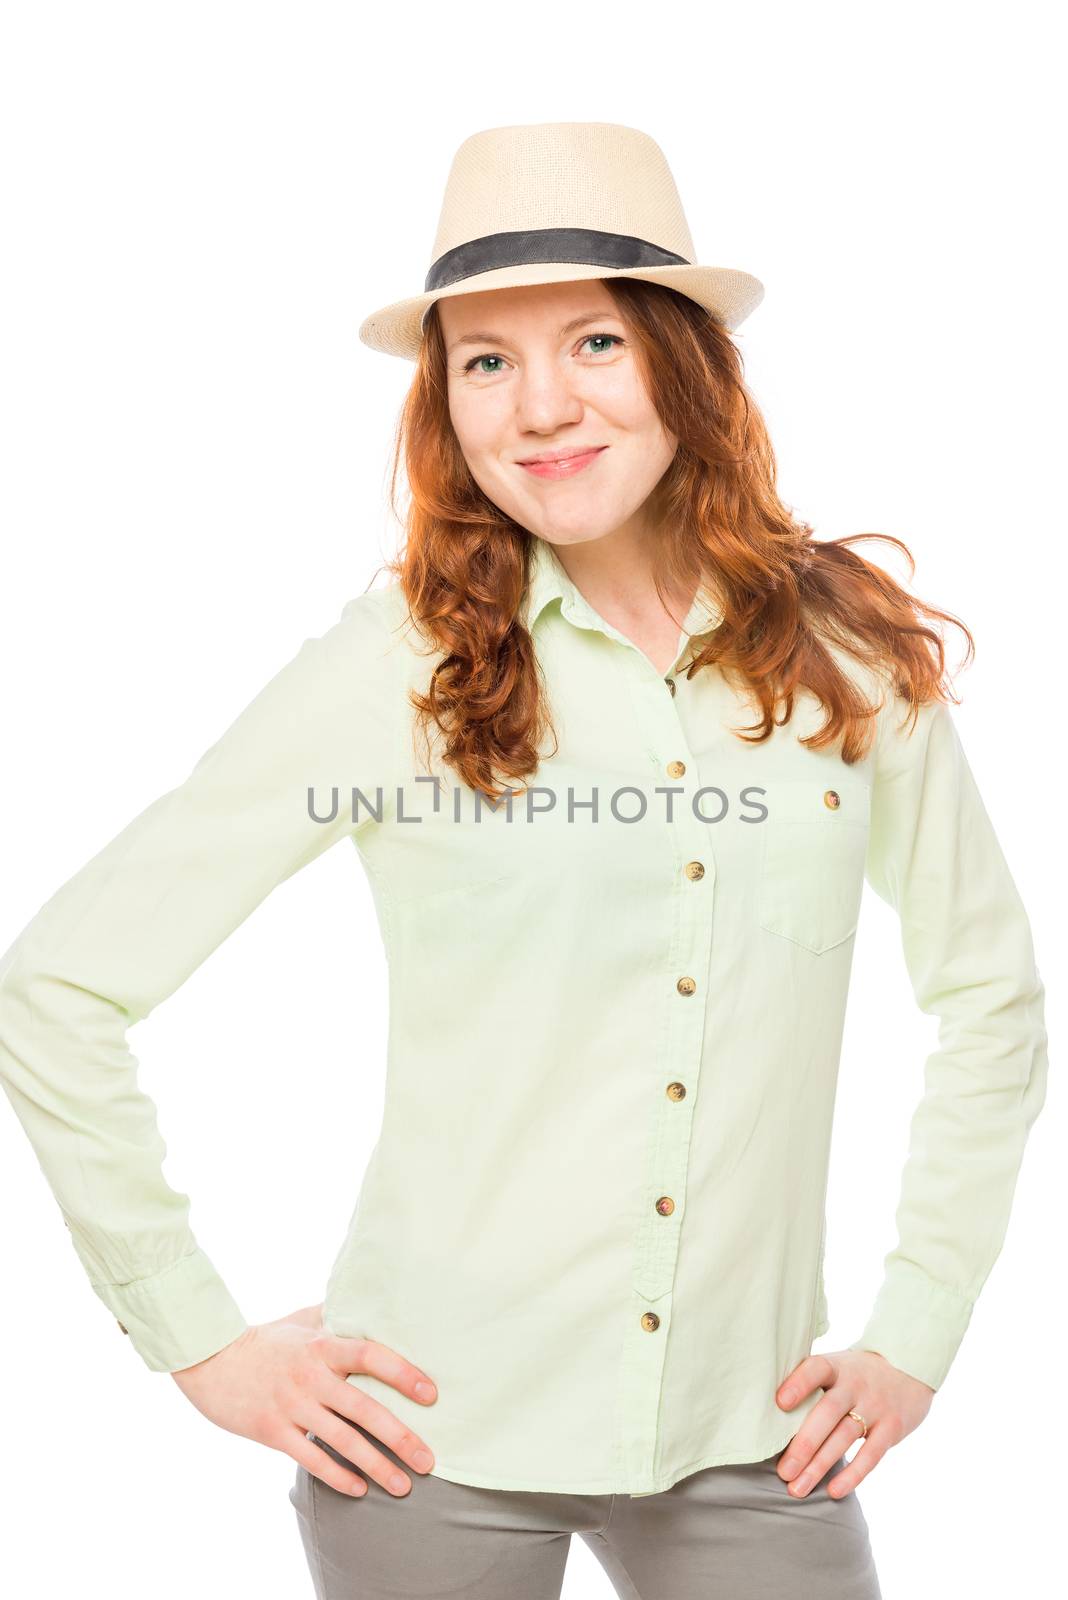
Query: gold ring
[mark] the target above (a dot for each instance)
(858, 1418)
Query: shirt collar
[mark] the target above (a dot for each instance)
(549, 581)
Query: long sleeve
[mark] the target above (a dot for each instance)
(129, 928)
(933, 855)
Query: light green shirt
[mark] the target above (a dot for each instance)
(595, 1209)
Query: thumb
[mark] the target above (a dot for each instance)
(308, 1316)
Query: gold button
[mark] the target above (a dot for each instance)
(694, 870)
(665, 1205)
(670, 683)
(650, 1321)
(833, 799)
(686, 986)
(676, 769)
(125, 1330)
(676, 1091)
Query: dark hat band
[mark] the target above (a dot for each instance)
(526, 247)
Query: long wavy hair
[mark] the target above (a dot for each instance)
(789, 601)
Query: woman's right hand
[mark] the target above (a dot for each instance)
(278, 1381)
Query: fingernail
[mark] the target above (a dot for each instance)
(424, 1390)
(422, 1460)
(398, 1483)
(788, 1397)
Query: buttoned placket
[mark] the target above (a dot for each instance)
(673, 1076)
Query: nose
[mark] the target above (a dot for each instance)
(546, 397)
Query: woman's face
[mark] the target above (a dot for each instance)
(550, 368)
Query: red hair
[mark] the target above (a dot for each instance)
(788, 600)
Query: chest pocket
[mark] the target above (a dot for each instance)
(811, 872)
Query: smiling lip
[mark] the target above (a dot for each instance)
(562, 464)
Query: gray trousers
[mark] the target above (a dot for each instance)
(724, 1533)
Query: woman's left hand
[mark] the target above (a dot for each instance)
(891, 1402)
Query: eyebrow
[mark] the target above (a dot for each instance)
(568, 327)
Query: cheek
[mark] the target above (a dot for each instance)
(480, 427)
(622, 401)
(638, 427)
(654, 447)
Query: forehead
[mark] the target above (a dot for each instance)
(526, 305)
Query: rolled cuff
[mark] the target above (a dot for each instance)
(916, 1323)
(179, 1316)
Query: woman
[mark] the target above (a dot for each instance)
(617, 749)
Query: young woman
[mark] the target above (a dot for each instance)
(618, 747)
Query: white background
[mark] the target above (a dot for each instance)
(200, 203)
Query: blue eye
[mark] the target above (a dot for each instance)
(613, 336)
(475, 359)
(614, 339)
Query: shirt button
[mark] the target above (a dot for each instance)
(670, 683)
(665, 1205)
(650, 1321)
(686, 986)
(694, 870)
(676, 769)
(676, 1091)
(833, 799)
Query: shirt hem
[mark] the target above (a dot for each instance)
(720, 1458)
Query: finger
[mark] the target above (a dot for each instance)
(321, 1466)
(872, 1449)
(368, 1355)
(358, 1406)
(346, 1438)
(817, 1427)
(831, 1450)
(816, 1371)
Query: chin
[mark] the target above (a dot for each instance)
(575, 524)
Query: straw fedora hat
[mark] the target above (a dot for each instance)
(551, 202)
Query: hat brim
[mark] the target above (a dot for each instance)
(729, 294)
